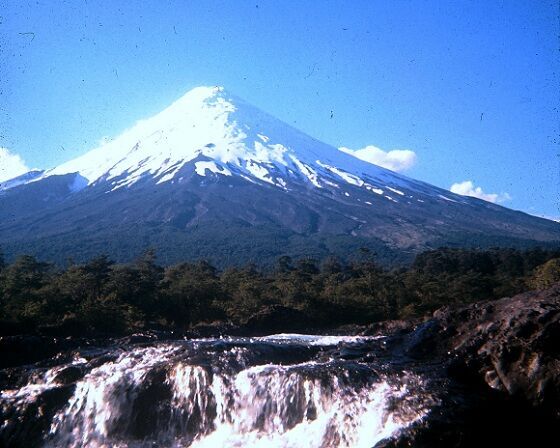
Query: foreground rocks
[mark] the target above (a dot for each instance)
(497, 366)
(513, 344)
(26, 349)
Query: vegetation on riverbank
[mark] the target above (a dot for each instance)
(101, 297)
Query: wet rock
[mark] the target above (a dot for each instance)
(70, 327)
(498, 371)
(20, 350)
(69, 375)
(28, 426)
(213, 330)
(147, 337)
(511, 344)
(390, 327)
(151, 408)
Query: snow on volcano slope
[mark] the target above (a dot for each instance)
(222, 134)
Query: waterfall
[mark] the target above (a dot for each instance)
(258, 392)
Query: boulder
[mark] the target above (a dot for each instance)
(512, 344)
(496, 366)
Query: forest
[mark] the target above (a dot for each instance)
(101, 297)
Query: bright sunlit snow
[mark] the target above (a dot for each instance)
(222, 135)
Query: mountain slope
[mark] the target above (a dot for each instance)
(212, 176)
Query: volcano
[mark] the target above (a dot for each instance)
(213, 177)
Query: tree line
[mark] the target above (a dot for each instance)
(101, 297)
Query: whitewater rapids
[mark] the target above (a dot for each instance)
(282, 391)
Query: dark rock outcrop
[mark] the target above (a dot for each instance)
(512, 343)
(497, 367)
(27, 349)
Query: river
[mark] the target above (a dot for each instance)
(278, 391)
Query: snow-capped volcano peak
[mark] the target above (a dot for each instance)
(219, 133)
(162, 143)
(212, 176)
(198, 124)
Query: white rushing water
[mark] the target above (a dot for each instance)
(318, 340)
(167, 395)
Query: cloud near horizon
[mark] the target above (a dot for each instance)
(396, 160)
(11, 165)
(467, 188)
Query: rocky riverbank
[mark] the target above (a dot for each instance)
(492, 368)
(497, 367)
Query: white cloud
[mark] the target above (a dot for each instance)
(395, 160)
(467, 188)
(11, 165)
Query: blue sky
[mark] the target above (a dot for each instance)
(472, 87)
